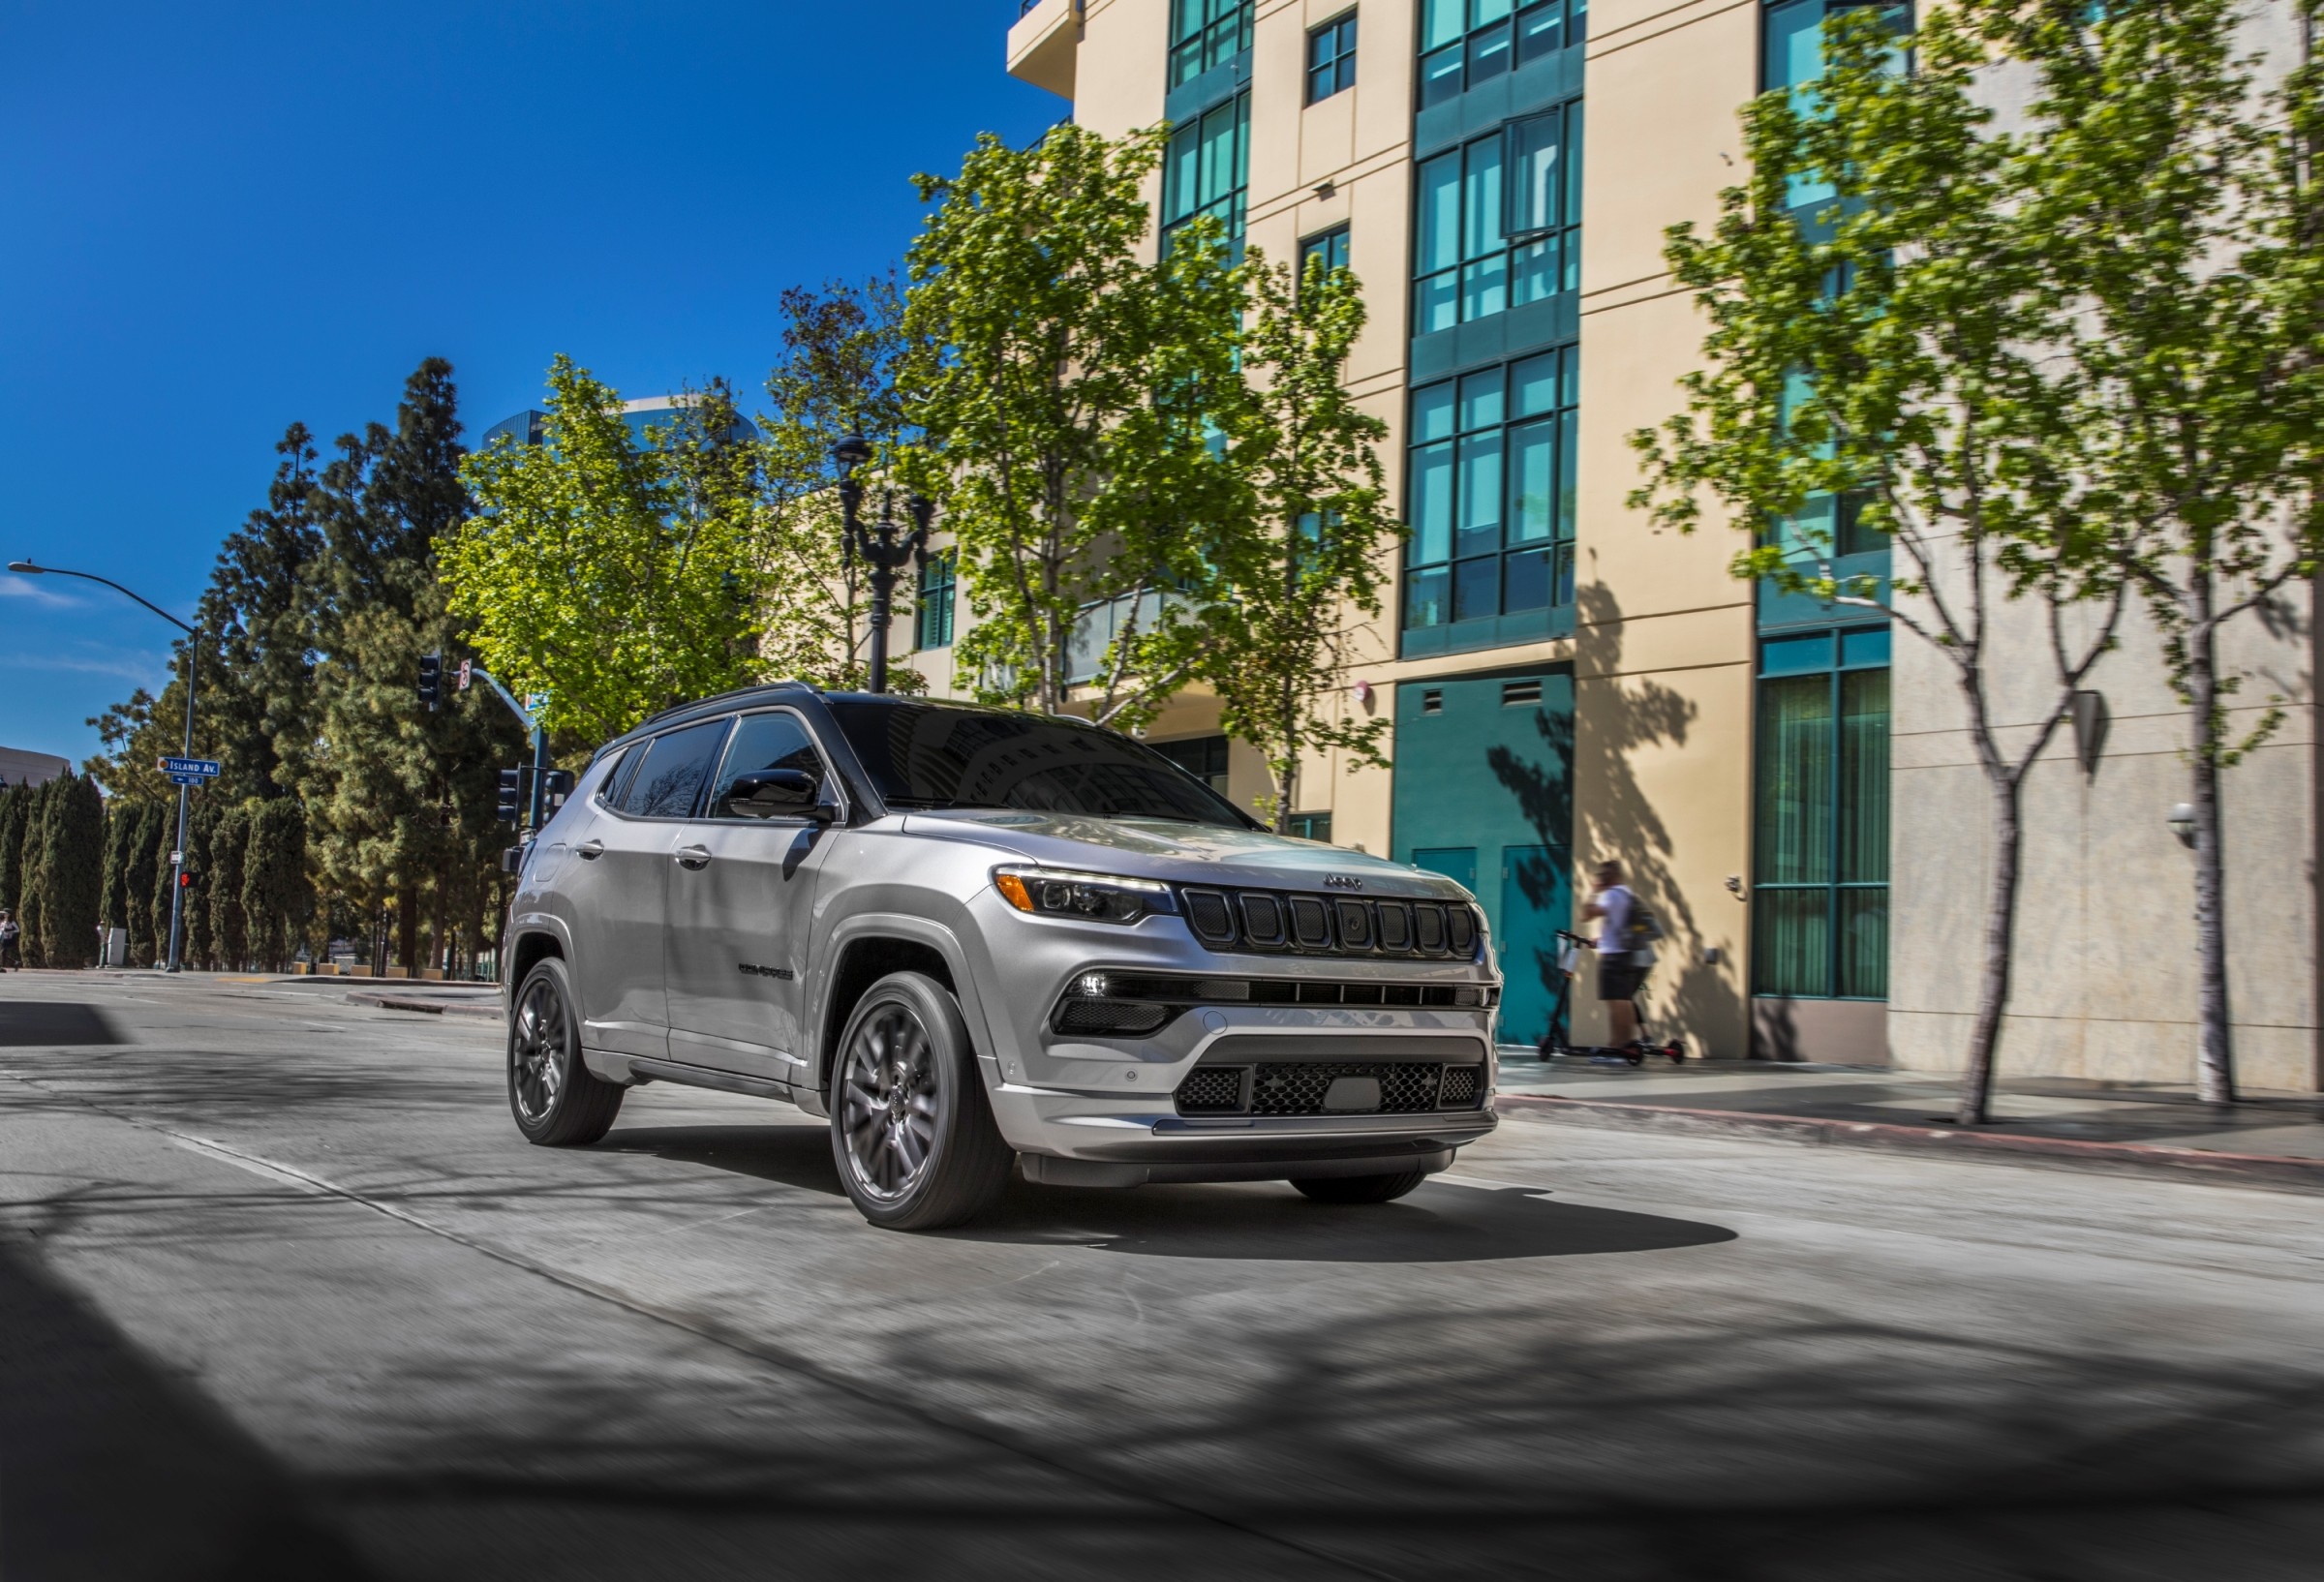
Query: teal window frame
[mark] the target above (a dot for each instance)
(1207, 170)
(1205, 34)
(1331, 245)
(932, 612)
(1311, 827)
(1204, 757)
(1489, 481)
(1466, 43)
(1497, 221)
(1820, 889)
(1331, 58)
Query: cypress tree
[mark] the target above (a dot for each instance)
(120, 822)
(199, 945)
(229, 932)
(13, 798)
(31, 887)
(274, 881)
(71, 872)
(165, 841)
(141, 881)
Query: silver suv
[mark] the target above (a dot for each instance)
(976, 938)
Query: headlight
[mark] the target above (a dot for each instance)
(1100, 898)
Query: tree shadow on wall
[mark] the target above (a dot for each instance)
(1619, 819)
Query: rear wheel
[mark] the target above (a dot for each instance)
(557, 1102)
(1361, 1189)
(910, 1126)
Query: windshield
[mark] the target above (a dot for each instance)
(927, 755)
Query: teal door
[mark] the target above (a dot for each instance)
(1483, 793)
(1535, 902)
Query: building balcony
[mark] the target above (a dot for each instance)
(1043, 43)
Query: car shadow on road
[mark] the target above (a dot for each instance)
(34, 1024)
(1444, 1222)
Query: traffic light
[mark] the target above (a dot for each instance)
(431, 680)
(556, 784)
(512, 808)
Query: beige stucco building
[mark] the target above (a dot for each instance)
(1567, 683)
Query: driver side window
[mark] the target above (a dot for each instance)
(763, 741)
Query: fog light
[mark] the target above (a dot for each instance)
(1091, 985)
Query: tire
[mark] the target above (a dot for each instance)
(555, 1100)
(1361, 1189)
(911, 1129)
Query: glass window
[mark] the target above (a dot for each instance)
(1208, 169)
(1204, 757)
(670, 779)
(761, 741)
(959, 756)
(1312, 827)
(1490, 493)
(1465, 43)
(1331, 58)
(1206, 33)
(1820, 903)
(1499, 222)
(932, 614)
(1330, 250)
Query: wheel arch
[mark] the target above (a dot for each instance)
(872, 948)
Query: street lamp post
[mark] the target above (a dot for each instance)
(885, 546)
(185, 791)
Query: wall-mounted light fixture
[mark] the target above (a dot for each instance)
(2182, 821)
(2089, 715)
(1325, 188)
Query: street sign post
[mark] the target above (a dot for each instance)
(190, 770)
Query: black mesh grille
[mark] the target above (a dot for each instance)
(1110, 1016)
(1207, 912)
(1260, 920)
(1212, 1089)
(1461, 1086)
(1287, 1088)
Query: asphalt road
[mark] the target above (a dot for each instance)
(281, 1294)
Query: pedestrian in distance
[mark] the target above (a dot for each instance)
(11, 942)
(1623, 956)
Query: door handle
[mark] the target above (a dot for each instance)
(589, 850)
(692, 857)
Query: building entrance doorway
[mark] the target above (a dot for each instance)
(1483, 778)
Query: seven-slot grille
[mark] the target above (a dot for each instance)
(1267, 920)
(1300, 1088)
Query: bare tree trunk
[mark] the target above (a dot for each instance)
(2000, 938)
(2215, 1058)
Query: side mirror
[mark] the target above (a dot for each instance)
(776, 792)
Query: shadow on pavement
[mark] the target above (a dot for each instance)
(111, 1471)
(1265, 1220)
(24, 1022)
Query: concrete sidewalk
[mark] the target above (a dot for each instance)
(2270, 1138)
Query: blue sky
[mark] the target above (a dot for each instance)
(216, 219)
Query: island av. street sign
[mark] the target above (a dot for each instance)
(190, 770)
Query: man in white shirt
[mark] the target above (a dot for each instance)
(1618, 975)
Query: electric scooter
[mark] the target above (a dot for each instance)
(1554, 1043)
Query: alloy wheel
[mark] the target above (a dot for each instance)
(889, 1102)
(536, 1050)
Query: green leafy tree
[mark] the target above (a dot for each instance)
(71, 872)
(842, 350)
(1306, 453)
(121, 827)
(200, 943)
(591, 574)
(163, 831)
(1905, 347)
(32, 886)
(2186, 203)
(403, 796)
(143, 878)
(1066, 393)
(16, 803)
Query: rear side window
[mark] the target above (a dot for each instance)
(666, 785)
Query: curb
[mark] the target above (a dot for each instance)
(433, 1008)
(2060, 1153)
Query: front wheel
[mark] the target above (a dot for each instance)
(1361, 1189)
(910, 1126)
(557, 1102)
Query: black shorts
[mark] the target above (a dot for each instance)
(1618, 980)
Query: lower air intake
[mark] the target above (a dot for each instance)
(1462, 1086)
(1212, 1090)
